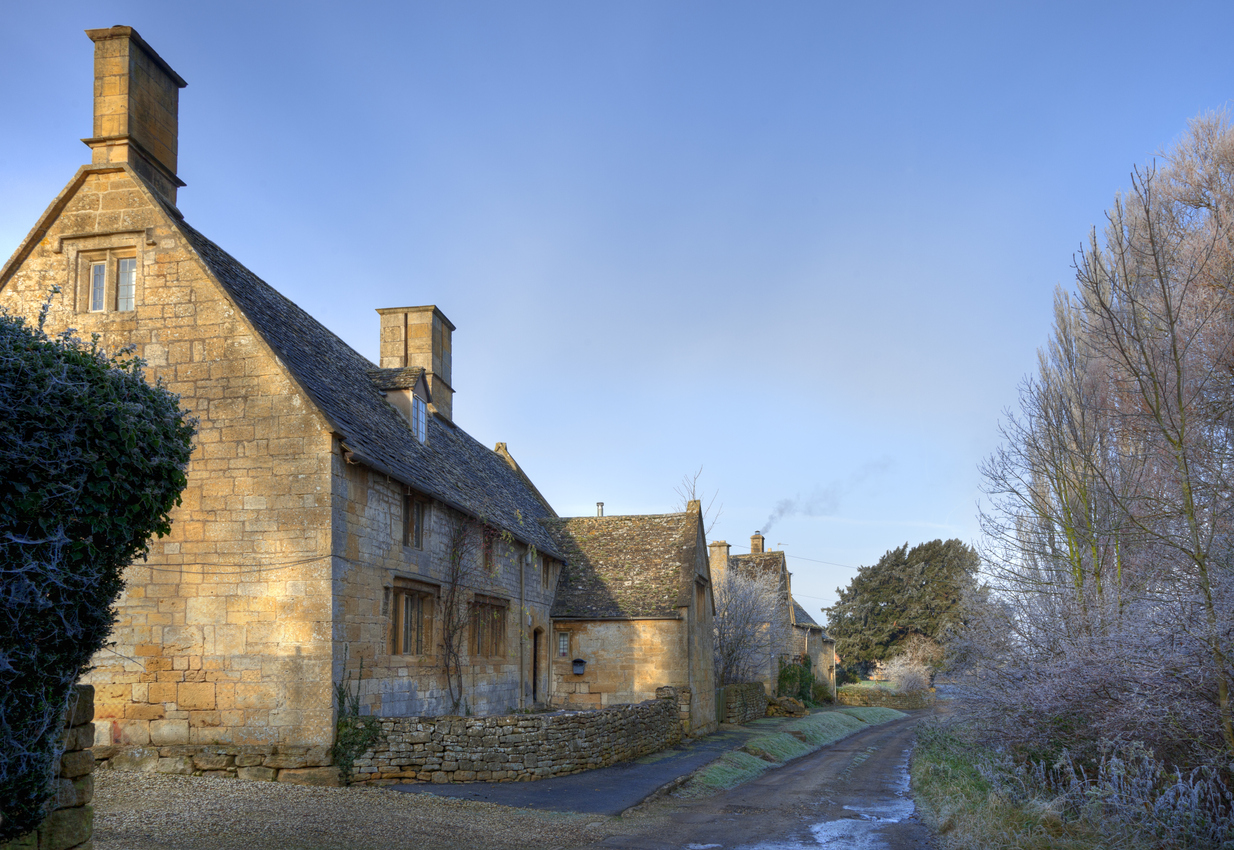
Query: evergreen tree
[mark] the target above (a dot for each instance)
(909, 592)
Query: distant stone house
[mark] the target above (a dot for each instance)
(802, 636)
(328, 497)
(633, 611)
(325, 492)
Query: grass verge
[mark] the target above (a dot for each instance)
(975, 799)
(793, 740)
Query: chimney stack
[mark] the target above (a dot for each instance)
(421, 336)
(756, 543)
(136, 108)
(717, 559)
(599, 509)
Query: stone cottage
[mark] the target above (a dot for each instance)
(804, 638)
(333, 505)
(634, 611)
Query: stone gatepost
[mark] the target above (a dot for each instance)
(71, 822)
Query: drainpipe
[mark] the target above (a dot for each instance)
(522, 632)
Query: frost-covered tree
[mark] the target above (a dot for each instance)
(92, 459)
(1110, 517)
(750, 633)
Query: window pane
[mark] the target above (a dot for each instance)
(417, 520)
(563, 644)
(98, 279)
(126, 284)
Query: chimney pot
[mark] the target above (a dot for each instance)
(599, 509)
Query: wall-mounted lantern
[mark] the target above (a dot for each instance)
(579, 666)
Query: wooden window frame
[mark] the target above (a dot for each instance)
(414, 512)
(563, 651)
(488, 626)
(411, 617)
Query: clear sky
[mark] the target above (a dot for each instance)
(809, 247)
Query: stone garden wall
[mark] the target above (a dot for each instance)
(744, 703)
(267, 763)
(519, 747)
(71, 823)
(887, 699)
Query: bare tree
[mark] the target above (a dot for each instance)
(688, 491)
(469, 559)
(1110, 522)
(750, 632)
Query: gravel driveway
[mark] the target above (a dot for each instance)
(145, 811)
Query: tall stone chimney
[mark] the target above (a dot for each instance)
(136, 108)
(756, 543)
(420, 336)
(717, 559)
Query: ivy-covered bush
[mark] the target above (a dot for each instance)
(796, 680)
(92, 459)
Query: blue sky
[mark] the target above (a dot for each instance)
(809, 247)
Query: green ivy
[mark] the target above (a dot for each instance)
(92, 460)
(354, 735)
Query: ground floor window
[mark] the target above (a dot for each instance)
(488, 625)
(412, 620)
(563, 644)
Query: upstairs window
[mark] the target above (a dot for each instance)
(413, 522)
(126, 283)
(412, 621)
(109, 282)
(488, 625)
(419, 418)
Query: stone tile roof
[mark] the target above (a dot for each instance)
(396, 379)
(450, 465)
(763, 563)
(623, 567)
(801, 618)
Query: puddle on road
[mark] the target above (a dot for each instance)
(862, 832)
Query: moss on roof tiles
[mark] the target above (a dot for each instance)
(623, 566)
(449, 465)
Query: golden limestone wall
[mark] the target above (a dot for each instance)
(626, 661)
(371, 559)
(223, 635)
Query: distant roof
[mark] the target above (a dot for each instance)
(623, 566)
(801, 618)
(450, 465)
(762, 563)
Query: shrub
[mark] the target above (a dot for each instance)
(820, 694)
(796, 680)
(908, 674)
(92, 459)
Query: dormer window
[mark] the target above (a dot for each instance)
(419, 418)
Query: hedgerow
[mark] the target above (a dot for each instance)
(92, 459)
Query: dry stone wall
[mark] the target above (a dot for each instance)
(520, 747)
(885, 698)
(744, 703)
(71, 822)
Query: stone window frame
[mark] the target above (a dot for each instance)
(109, 258)
(411, 617)
(493, 612)
(82, 249)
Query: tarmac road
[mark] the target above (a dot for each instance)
(852, 794)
